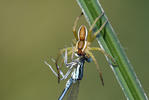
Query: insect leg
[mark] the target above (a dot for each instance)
(64, 61)
(61, 73)
(51, 69)
(65, 57)
(56, 62)
(68, 72)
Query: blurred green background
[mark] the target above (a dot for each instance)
(31, 30)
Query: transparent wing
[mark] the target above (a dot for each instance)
(73, 91)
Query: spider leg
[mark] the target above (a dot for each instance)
(97, 66)
(74, 41)
(103, 52)
(74, 26)
(92, 26)
(98, 31)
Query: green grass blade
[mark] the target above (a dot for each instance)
(109, 42)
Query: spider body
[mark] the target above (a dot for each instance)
(82, 41)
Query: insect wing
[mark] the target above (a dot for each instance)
(73, 91)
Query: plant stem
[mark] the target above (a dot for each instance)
(109, 42)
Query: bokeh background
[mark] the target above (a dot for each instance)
(32, 30)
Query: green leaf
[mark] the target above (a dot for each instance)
(109, 42)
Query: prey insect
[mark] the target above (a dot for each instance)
(83, 40)
(76, 69)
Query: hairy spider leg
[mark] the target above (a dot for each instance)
(103, 52)
(89, 38)
(100, 29)
(97, 66)
(74, 26)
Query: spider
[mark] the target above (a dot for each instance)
(84, 38)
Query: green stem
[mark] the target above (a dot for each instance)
(109, 42)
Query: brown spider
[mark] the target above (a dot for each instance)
(84, 38)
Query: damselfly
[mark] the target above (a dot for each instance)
(72, 85)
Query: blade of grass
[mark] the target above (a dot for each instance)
(109, 42)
